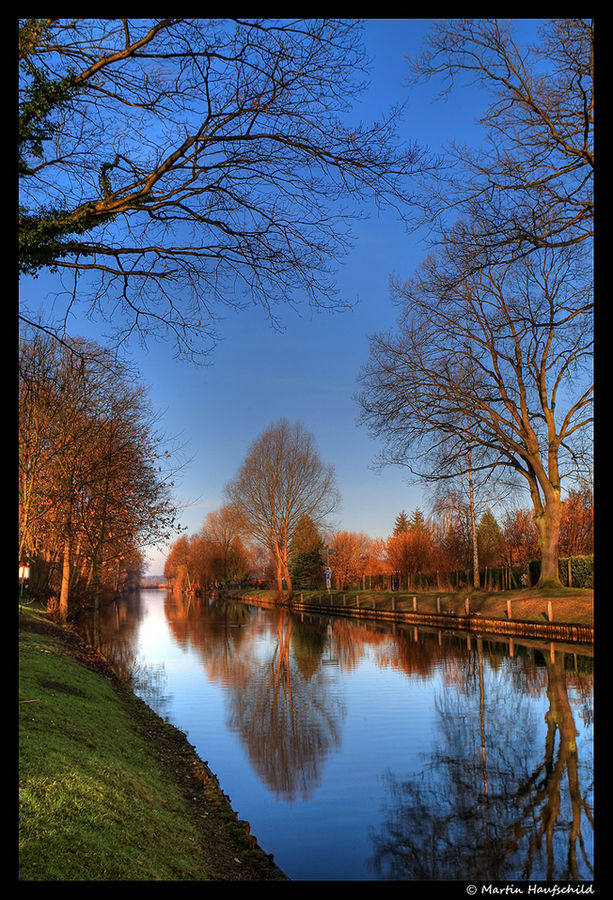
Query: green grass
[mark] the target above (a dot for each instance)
(570, 605)
(102, 782)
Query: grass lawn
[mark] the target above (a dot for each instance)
(107, 790)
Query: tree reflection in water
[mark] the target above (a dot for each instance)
(505, 789)
(286, 715)
(279, 703)
(494, 802)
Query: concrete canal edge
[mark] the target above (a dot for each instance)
(473, 623)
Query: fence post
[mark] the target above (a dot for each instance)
(438, 604)
(414, 604)
(550, 610)
(357, 600)
(509, 614)
(467, 606)
(393, 604)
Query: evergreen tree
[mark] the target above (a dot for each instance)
(418, 521)
(490, 540)
(306, 561)
(401, 524)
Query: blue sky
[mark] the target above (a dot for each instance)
(308, 370)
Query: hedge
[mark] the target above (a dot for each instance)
(581, 571)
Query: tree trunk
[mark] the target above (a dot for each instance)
(473, 527)
(549, 533)
(64, 592)
(283, 573)
(279, 577)
(288, 581)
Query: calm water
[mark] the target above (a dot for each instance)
(361, 753)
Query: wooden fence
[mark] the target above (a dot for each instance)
(471, 622)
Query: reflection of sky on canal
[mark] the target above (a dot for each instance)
(391, 727)
(350, 775)
(153, 634)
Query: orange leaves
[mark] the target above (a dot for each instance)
(86, 471)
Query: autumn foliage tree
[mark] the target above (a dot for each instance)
(179, 566)
(577, 523)
(376, 566)
(351, 555)
(94, 486)
(215, 555)
(520, 537)
(409, 550)
(223, 530)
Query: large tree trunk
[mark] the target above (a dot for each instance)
(288, 580)
(279, 577)
(548, 513)
(548, 520)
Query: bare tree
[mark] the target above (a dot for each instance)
(489, 369)
(170, 166)
(501, 364)
(529, 185)
(225, 529)
(282, 479)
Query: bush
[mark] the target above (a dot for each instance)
(581, 571)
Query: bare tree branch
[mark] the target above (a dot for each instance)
(190, 164)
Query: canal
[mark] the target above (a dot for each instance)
(366, 752)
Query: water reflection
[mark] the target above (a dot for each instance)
(286, 716)
(494, 801)
(112, 630)
(504, 790)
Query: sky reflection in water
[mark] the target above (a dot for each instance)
(357, 753)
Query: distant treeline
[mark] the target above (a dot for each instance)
(420, 554)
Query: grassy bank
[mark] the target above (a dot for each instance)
(107, 790)
(574, 606)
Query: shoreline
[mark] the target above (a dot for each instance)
(476, 622)
(198, 823)
(223, 848)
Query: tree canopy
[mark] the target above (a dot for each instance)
(529, 184)
(172, 167)
(94, 482)
(489, 366)
(282, 480)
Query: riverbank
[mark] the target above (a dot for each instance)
(108, 791)
(564, 613)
